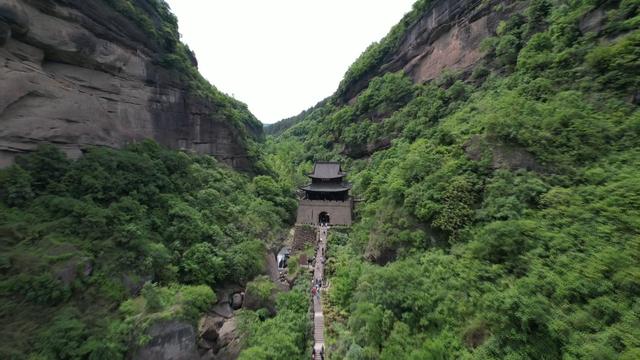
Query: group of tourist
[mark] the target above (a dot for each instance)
(319, 352)
(317, 281)
(318, 349)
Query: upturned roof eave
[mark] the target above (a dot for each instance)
(326, 189)
(313, 176)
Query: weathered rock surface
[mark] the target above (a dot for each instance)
(223, 309)
(230, 298)
(70, 270)
(304, 235)
(134, 283)
(170, 340)
(208, 331)
(216, 337)
(593, 21)
(75, 73)
(219, 338)
(447, 36)
(254, 301)
(236, 301)
(229, 340)
(271, 266)
(503, 156)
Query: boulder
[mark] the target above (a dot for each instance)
(170, 340)
(255, 302)
(219, 338)
(229, 341)
(502, 156)
(223, 308)
(236, 301)
(70, 270)
(134, 283)
(210, 335)
(208, 331)
(14, 13)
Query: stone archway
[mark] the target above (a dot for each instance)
(324, 218)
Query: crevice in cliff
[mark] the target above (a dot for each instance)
(6, 112)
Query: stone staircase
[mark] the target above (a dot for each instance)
(318, 315)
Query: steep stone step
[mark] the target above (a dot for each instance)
(318, 315)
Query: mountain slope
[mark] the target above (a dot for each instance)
(97, 251)
(500, 212)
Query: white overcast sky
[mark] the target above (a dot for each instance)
(282, 56)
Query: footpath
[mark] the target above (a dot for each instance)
(318, 283)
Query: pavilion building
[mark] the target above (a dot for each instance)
(326, 199)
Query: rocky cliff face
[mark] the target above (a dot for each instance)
(77, 73)
(447, 35)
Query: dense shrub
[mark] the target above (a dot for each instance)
(500, 212)
(201, 265)
(287, 334)
(90, 232)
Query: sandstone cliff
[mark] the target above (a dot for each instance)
(445, 34)
(78, 73)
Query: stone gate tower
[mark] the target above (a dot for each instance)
(326, 199)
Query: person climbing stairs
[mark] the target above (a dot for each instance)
(318, 280)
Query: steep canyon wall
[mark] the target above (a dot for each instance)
(447, 35)
(77, 73)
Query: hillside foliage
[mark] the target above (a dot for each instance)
(79, 239)
(500, 214)
(287, 335)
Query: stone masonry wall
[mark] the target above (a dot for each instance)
(340, 212)
(302, 236)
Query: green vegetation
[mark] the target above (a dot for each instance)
(79, 239)
(163, 303)
(261, 287)
(95, 251)
(156, 21)
(284, 336)
(501, 212)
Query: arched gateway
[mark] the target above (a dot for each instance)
(326, 197)
(324, 218)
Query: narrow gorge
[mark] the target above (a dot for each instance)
(469, 191)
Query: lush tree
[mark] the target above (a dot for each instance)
(202, 265)
(499, 216)
(89, 233)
